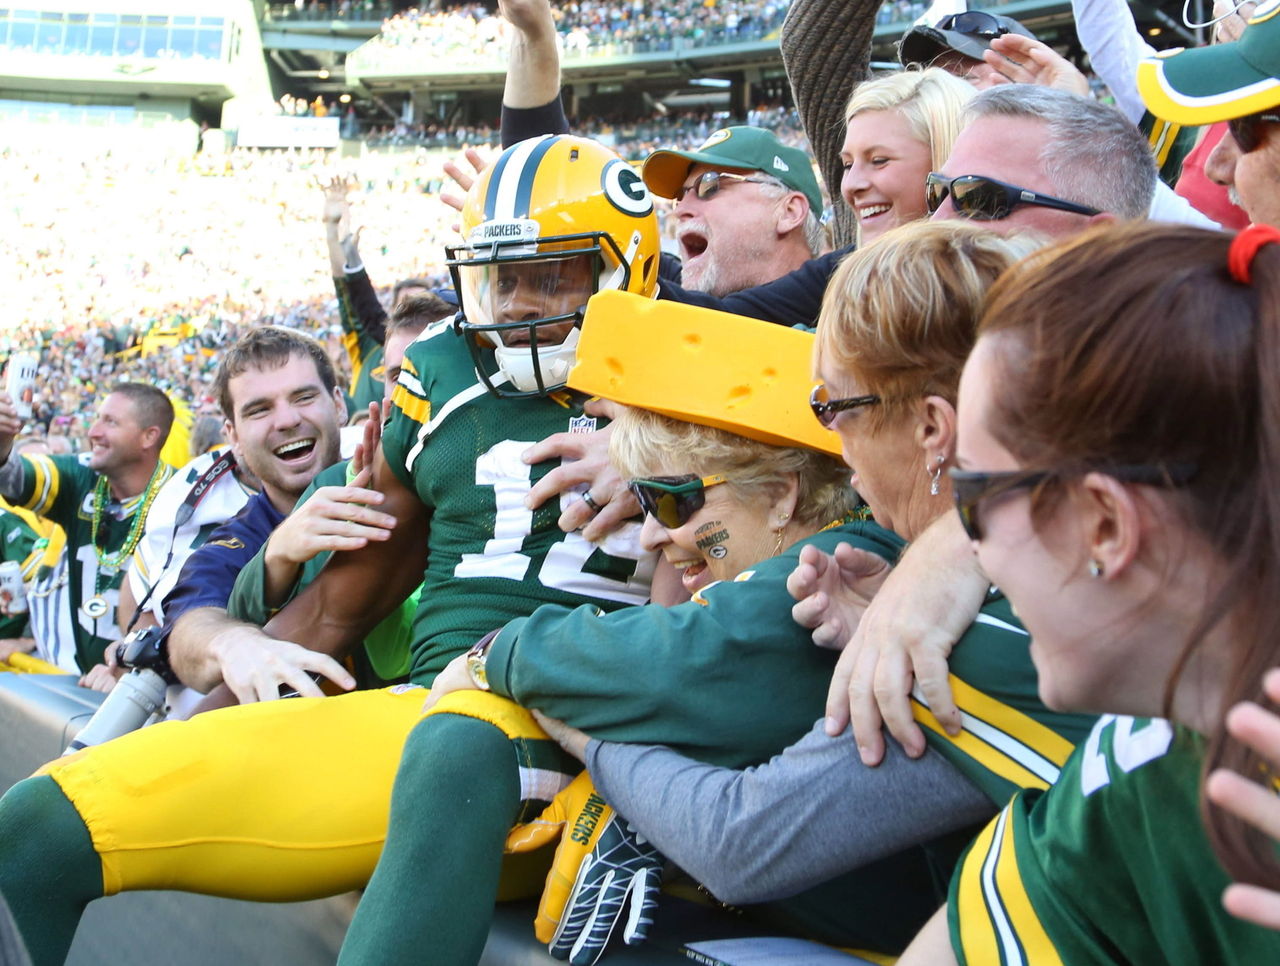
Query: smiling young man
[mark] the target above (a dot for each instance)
(283, 410)
(101, 502)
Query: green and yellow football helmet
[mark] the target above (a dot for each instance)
(553, 221)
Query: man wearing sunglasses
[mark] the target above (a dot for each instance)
(1041, 159)
(746, 208)
(1238, 83)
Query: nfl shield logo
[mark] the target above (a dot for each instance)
(582, 424)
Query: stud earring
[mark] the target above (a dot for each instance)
(1095, 569)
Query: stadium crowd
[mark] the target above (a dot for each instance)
(640, 26)
(213, 244)
(1045, 332)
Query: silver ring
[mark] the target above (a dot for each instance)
(587, 499)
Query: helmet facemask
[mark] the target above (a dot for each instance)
(522, 299)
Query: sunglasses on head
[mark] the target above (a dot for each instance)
(969, 488)
(708, 184)
(826, 410)
(985, 199)
(672, 500)
(975, 23)
(1247, 130)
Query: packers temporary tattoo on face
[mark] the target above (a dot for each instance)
(711, 538)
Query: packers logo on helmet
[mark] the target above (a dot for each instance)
(553, 221)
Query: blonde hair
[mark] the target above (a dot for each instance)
(643, 440)
(901, 315)
(931, 100)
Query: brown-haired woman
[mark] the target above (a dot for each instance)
(1119, 454)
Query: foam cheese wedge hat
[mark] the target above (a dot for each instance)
(713, 368)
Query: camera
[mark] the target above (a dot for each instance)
(137, 696)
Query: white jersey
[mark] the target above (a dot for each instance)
(51, 608)
(152, 565)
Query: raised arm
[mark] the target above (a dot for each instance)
(10, 470)
(826, 48)
(531, 99)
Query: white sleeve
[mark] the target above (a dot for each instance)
(1111, 39)
(1169, 206)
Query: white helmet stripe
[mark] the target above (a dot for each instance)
(511, 177)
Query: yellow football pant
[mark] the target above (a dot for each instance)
(277, 801)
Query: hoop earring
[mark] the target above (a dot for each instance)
(935, 482)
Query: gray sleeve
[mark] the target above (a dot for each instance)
(811, 813)
(11, 478)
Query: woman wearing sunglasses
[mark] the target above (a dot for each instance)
(898, 322)
(727, 677)
(1119, 457)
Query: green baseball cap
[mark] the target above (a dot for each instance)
(1204, 85)
(740, 148)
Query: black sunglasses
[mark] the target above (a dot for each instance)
(672, 500)
(708, 184)
(969, 488)
(826, 410)
(975, 23)
(1247, 130)
(985, 199)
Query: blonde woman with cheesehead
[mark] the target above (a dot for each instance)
(899, 128)
(897, 323)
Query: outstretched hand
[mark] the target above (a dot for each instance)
(335, 518)
(337, 206)
(1254, 803)
(1024, 60)
(833, 591)
(528, 16)
(905, 637)
(255, 665)
(477, 161)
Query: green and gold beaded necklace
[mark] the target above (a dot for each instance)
(109, 564)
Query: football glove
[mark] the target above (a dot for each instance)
(604, 873)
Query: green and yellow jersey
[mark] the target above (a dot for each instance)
(1110, 865)
(492, 560)
(60, 488)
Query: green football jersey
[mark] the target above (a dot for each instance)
(1010, 740)
(1170, 143)
(60, 488)
(363, 351)
(490, 558)
(1111, 865)
(17, 541)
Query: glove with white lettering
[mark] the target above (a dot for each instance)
(616, 884)
(604, 873)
